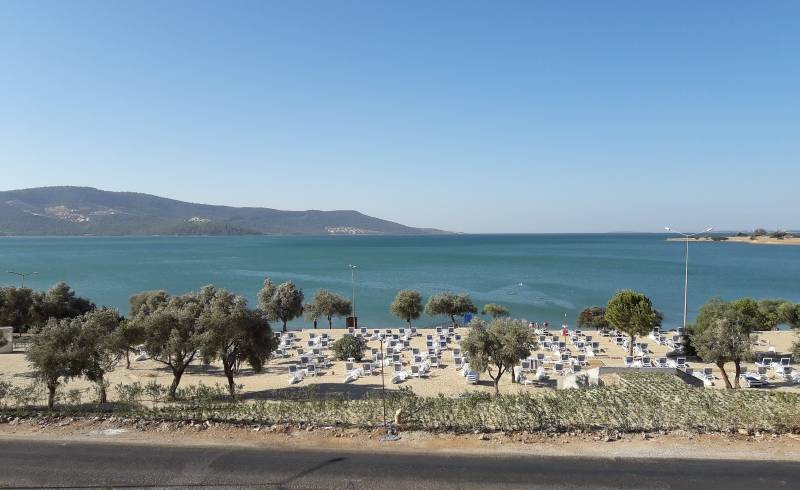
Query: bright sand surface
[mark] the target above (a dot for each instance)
(273, 380)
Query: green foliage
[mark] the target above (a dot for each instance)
(234, 334)
(23, 308)
(632, 313)
(726, 340)
(495, 310)
(593, 317)
(98, 347)
(53, 356)
(643, 402)
(449, 304)
(407, 305)
(751, 314)
(497, 348)
(173, 334)
(284, 302)
(349, 346)
(328, 305)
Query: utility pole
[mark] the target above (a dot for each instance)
(22, 275)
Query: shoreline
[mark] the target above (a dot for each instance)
(765, 240)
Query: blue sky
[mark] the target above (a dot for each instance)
(469, 116)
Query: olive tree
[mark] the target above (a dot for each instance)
(450, 304)
(632, 313)
(52, 354)
(235, 334)
(131, 330)
(329, 305)
(496, 349)
(726, 340)
(98, 347)
(407, 305)
(281, 303)
(593, 318)
(173, 333)
(495, 310)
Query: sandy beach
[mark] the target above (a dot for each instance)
(273, 382)
(761, 240)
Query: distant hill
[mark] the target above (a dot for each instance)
(88, 211)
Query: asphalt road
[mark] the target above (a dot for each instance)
(37, 464)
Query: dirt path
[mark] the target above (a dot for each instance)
(764, 447)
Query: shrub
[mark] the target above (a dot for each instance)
(349, 346)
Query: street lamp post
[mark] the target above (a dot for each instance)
(353, 283)
(687, 237)
(22, 275)
(391, 433)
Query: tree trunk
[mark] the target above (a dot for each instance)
(231, 383)
(102, 391)
(284, 325)
(408, 320)
(453, 319)
(330, 322)
(315, 323)
(51, 395)
(496, 386)
(630, 345)
(513, 379)
(738, 365)
(721, 366)
(127, 358)
(176, 379)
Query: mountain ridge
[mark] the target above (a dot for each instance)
(72, 210)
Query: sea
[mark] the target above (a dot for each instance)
(543, 277)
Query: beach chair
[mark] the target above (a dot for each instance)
(396, 358)
(366, 368)
(413, 331)
(443, 345)
(348, 366)
(397, 367)
(766, 362)
(525, 366)
(581, 359)
(708, 373)
(661, 362)
(472, 378)
(457, 337)
(458, 362)
(628, 361)
(434, 361)
(417, 359)
(558, 368)
(311, 370)
(456, 351)
(680, 363)
(646, 362)
(429, 344)
(785, 361)
(414, 371)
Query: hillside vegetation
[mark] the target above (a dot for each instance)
(88, 211)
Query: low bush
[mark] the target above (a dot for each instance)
(641, 402)
(349, 346)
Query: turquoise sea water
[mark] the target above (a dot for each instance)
(539, 277)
